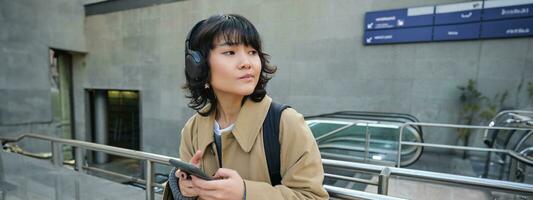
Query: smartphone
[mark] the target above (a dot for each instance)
(190, 169)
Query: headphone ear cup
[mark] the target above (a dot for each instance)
(193, 64)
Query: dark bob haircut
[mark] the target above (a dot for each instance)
(235, 30)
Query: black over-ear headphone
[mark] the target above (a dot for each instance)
(193, 59)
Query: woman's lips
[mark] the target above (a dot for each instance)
(246, 76)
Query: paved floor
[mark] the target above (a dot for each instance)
(30, 178)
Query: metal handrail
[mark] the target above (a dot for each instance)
(355, 195)
(509, 152)
(526, 151)
(366, 158)
(435, 176)
(493, 120)
(522, 119)
(349, 158)
(361, 149)
(432, 176)
(510, 111)
(382, 183)
(320, 139)
(151, 158)
(95, 147)
(371, 149)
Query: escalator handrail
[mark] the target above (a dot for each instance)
(526, 151)
(404, 162)
(351, 139)
(512, 153)
(367, 113)
(359, 149)
(373, 117)
(419, 129)
(522, 141)
(418, 135)
(494, 120)
(350, 124)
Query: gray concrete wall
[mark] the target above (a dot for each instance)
(323, 66)
(317, 45)
(28, 29)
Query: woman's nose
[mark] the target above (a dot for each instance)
(245, 61)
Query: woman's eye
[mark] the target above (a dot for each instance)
(253, 52)
(228, 53)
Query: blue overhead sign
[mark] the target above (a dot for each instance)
(507, 28)
(456, 32)
(458, 13)
(472, 20)
(408, 17)
(422, 34)
(505, 9)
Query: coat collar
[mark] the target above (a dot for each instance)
(247, 126)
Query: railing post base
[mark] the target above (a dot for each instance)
(383, 181)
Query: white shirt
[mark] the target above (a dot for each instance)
(219, 131)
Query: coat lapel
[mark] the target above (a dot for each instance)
(250, 121)
(205, 132)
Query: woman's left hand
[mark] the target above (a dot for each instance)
(228, 184)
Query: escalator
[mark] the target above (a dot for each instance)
(370, 137)
(501, 166)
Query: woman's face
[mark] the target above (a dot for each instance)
(235, 68)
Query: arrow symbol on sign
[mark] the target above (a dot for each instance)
(466, 15)
(369, 26)
(400, 22)
(369, 40)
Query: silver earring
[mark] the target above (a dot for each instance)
(206, 86)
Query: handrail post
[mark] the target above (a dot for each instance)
(399, 158)
(367, 143)
(57, 154)
(80, 159)
(383, 181)
(148, 173)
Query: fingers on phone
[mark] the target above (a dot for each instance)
(195, 160)
(182, 175)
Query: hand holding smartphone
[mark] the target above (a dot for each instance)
(190, 169)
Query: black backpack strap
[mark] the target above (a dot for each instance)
(271, 141)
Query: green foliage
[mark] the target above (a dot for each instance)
(470, 105)
(477, 107)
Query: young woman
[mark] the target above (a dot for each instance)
(227, 73)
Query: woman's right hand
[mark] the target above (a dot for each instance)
(186, 187)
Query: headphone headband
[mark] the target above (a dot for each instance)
(188, 39)
(193, 59)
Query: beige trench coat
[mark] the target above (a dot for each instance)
(243, 151)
